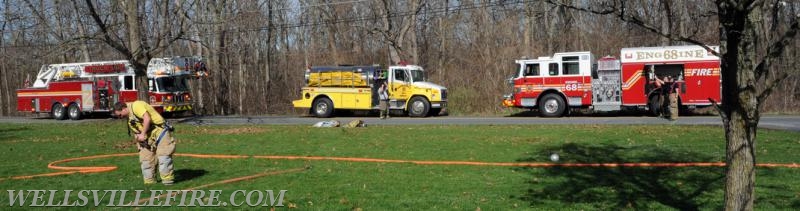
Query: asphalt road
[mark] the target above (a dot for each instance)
(791, 123)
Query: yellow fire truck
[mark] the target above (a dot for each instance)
(330, 88)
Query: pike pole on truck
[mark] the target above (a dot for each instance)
(71, 90)
(574, 80)
(330, 88)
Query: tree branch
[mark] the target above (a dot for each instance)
(770, 85)
(777, 48)
(620, 13)
(104, 30)
(160, 48)
(720, 110)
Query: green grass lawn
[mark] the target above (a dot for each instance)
(339, 185)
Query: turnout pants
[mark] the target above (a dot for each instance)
(384, 107)
(673, 106)
(158, 156)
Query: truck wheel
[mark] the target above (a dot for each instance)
(74, 111)
(418, 107)
(322, 107)
(58, 112)
(552, 105)
(434, 111)
(654, 106)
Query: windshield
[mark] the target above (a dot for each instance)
(172, 84)
(417, 75)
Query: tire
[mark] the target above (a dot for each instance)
(58, 112)
(434, 111)
(552, 105)
(418, 107)
(653, 105)
(322, 107)
(74, 111)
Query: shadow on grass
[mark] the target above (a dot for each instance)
(8, 133)
(683, 188)
(188, 174)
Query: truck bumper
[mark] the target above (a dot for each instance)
(177, 108)
(442, 104)
(302, 103)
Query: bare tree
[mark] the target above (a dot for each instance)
(746, 63)
(399, 45)
(137, 47)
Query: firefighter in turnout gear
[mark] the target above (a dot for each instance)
(383, 92)
(153, 135)
(674, 89)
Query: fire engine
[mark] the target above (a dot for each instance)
(72, 90)
(575, 80)
(330, 88)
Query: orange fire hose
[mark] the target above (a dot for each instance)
(97, 169)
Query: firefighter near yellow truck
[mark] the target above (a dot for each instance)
(330, 88)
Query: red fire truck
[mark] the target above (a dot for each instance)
(575, 80)
(74, 89)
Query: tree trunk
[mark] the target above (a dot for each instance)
(739, 103)
(740, 159)
(332, 33)
(200, 81)
(3, 70)
(84, 44)
(527, 30)
(142, 87)
(3, 94)
(268, 58)
(666, 22)
(413, 46)
(135, 42)
(242, 80)
(443, 36)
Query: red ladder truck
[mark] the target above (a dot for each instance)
(72, 90)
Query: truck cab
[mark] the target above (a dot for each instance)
(552, 84)
(409, 90)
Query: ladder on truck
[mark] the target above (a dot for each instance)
(67, 71)
(177, 66)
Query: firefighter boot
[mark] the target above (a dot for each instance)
(383, 114)
(165, 169)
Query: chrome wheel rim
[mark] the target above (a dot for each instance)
(73, 111)
(58, 111)
(322, 108)
(417, 107)
(551, 106)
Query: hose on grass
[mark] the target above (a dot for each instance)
(64, 170)
(98, 169)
